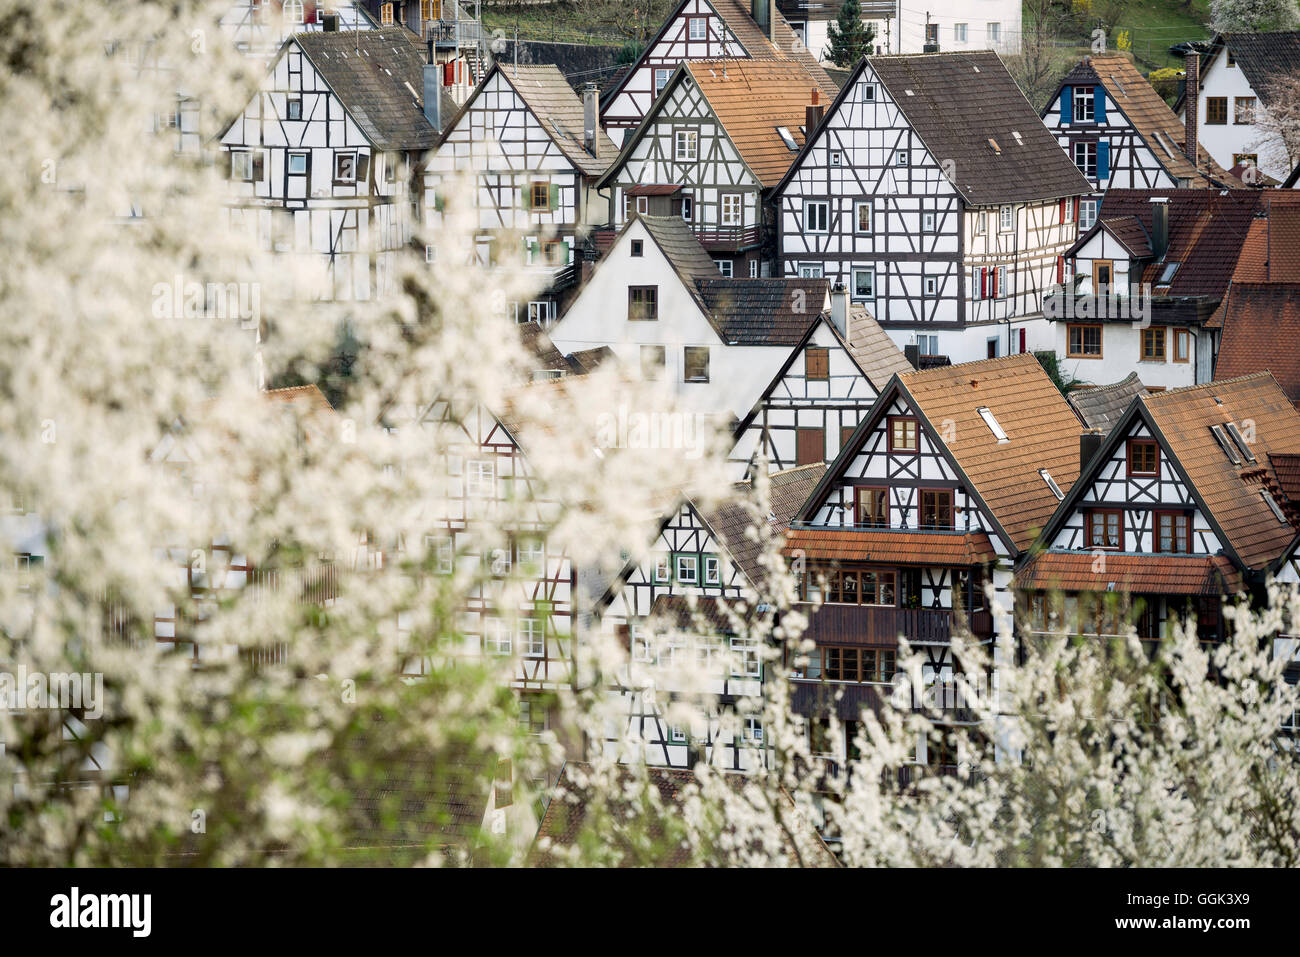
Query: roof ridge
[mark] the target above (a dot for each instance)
(1010, 360)
(1214, 383)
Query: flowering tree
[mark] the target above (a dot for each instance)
(1254, 16)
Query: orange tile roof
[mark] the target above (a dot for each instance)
(1134, 574)
(785, 47)
(751, 98)
(1231, 493)
(1042, 431)
(903, 546)
(1256, 317)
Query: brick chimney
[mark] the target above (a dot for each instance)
(813, 112)
(1191, 105)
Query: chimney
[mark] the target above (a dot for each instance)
(762, 13)
(432, 92)
(912, 353)
(840, 309)
(1159, 227)
(590, 114)
(1191, 105)
(330, 23)
(813, 113)
(1089, 443)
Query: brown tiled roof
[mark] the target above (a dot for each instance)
(1283, 238)
(1286, 472)
(1101, 407)
(764, 312)
(1261, 325)
(1130, 573)
(903, 546)
(588, 360)
(785, 44)
(309, 395)
(751, 98)
(382, 86)
(1231, 493)
(567, 813)
(1146, 109)
(559, 110)
(1131, 233)
(956, 103)
(873, 350)
(539, 345)
(1042, 431)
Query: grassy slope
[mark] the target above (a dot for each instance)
(594, 21)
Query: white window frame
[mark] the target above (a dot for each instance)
(663, 570)
(480, 478)
(744, 659)
(497, 639)
(294, 11)
(960, 33)
(1087, 213)
(531, 554)
(837, 158)
(993, 31)
(853, 280)
(661, 78)
(810, 270)
(1083, 96)
(813, 223)
(1089, 166)
(238, 174)
(686, 146)
(866, 92)
(532, 637)
(444, 553)
(929, 221)
(858, 207)
(902, 158)
(930, 286)
(691, 23)
(1007, 218)
(297, 155)
(732, 207)
(724, 267)
(753, 269)
(753, 730)
(695, 569)
(712, 570)
(1001, 282)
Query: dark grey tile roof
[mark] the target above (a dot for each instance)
(1266, 57)
(379, 77)
(1103, 406)
(540, 346)
(957, 103)
(1131, 233)
(548, 94)
(764, 312)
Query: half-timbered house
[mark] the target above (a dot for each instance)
(682, 602)
(718, 137)
(1120, 133)
(1178, 507)
(916, 527)
(703, 30)
(816, 399)
(321, 160)
(719, 342)
(258, 28)
(533, 151)
(451, 29)
(932, 190)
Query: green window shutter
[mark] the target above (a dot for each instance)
(524, 198)
(565, 248)
(438, 202)
(555, 196)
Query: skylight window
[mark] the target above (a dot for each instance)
(1016, 135)
(1226, 444)
(787, 139)
(993, 145)
(1051, 483)
(1240, 441)
(993, 424)
(1167, 274)
(1272, 504)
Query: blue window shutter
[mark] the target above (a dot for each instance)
(1103, 160)
(1067, 104)
(1099, 104)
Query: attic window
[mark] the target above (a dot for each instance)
(1167, 274)
(1240, 441)
(993, 145)
(787, 139)
(1016, 135)
(1272, 505)
(993, 424)
(1051, 483)
(1226, 444)
(909, 93)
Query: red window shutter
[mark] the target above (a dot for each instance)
(1060, 270)
(1063, 202)
(448, 77)
(984, 282)
(1075, 201)
(308, 11)
(1023, 347)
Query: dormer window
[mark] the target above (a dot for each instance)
(1084, 100)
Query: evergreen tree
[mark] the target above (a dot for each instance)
(850, 38)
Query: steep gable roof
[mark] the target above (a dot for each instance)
(558, 109)
(378, 75)
(1261, 324)
(957, 103)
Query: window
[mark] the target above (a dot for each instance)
(686, 146)
(1084, 97)
(663, 570)
(385, 13)
(1243, 110)
(817, 362)
(837, 158)
(816, 216)
(1173, 532)
(867, 92)
(1143, 457)
(724, 267)
(810, 270)
(936, 508)
(1216, 110)
(745, 663)
(676, 735)
(297, 164)
(1087, 213)
(688, 208)
(862, 219)
(1240, 441)
(871, 506)
(810, 446)
(1153, 344)
(902, 434)
(642, 303)
(994, 32)
(1006, 219)
(496, 637)
(539, 195)
(293, 108)
(864, 284)
(1245, 159)
(1085, 157)
(731, 209)
(653, 360)
(754, 730)
(753, 269)
(1083, 342)
(1051, 484)
(1167, 274)
(345, 167)
(927, 345)
(787, 139)
(695, 364)
(688, 569)
(981, 224)
(712, 570)
(532, 638)
(930, 286)
(959, 32)
(661, 79)
(697, 27)
(901, 158)
(1102, 274)
(1182, 345)
(1102, 528)
(480, 478)
(638, 248)
(1273, 507)
(293, 11)
(555, 253)
(442, 550)
(1001, 282)
(430, 9)
(927, 221)
(1224, 443)
(246, 165)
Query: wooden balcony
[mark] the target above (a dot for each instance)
(727, 237)
(881, 627)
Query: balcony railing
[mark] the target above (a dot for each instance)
(727, 236)
(453, 34)
(881, 626)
